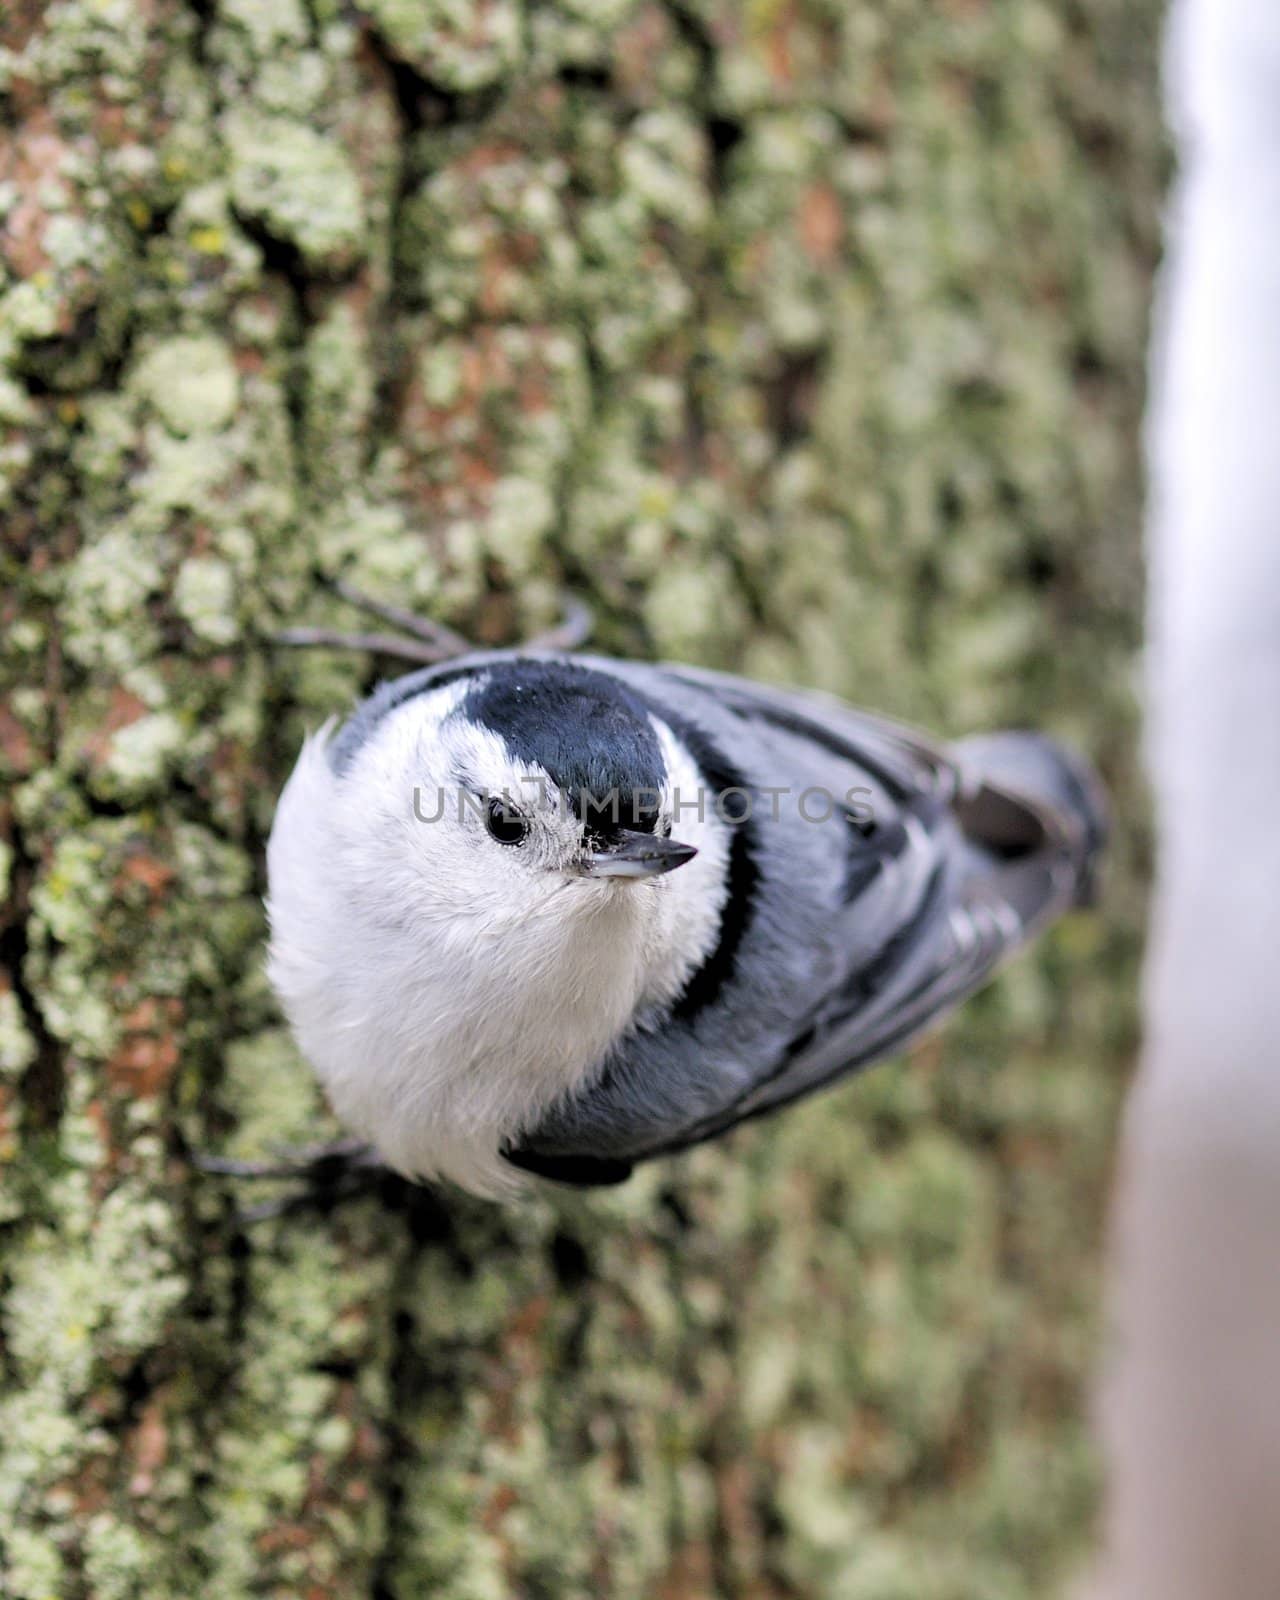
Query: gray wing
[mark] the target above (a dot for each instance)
(851, 941)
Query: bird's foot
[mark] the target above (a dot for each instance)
(421, 641)
(319, 1176)
(306, 1161)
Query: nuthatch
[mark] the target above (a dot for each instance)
(534, 912)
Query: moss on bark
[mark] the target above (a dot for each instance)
(806, 339)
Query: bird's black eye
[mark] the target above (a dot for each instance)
(505, 824)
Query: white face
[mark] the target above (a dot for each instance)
(474, 830)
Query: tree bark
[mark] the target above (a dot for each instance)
(804, 340)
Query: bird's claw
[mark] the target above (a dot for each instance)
(421, 641)
(319, 1174)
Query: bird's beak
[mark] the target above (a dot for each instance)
(637, 855)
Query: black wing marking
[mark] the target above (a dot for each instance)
(973, 942)
(904, 994)
(718, 773)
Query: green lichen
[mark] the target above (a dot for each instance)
(273, 1093)
(105, 599)
(17, 1047)
(191, 383)
(33, 1565)
(271, 24)
(298, 183)
(117, 1561)
(204, 592)
(141, 757)
(462, 45)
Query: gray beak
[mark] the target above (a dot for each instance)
(637, 855)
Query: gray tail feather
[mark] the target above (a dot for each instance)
(1027, 797)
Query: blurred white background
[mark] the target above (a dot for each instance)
(1191, 1405)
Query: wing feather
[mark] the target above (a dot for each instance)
(985, 842)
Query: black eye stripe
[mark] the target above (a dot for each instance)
(504, 823)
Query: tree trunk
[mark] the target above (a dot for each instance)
(802, 339)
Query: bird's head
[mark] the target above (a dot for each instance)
(534, 781)
(568, 774)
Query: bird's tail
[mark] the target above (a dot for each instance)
(1029, 800)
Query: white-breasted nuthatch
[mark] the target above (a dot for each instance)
(552, 914)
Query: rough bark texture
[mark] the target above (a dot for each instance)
(804, 338)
